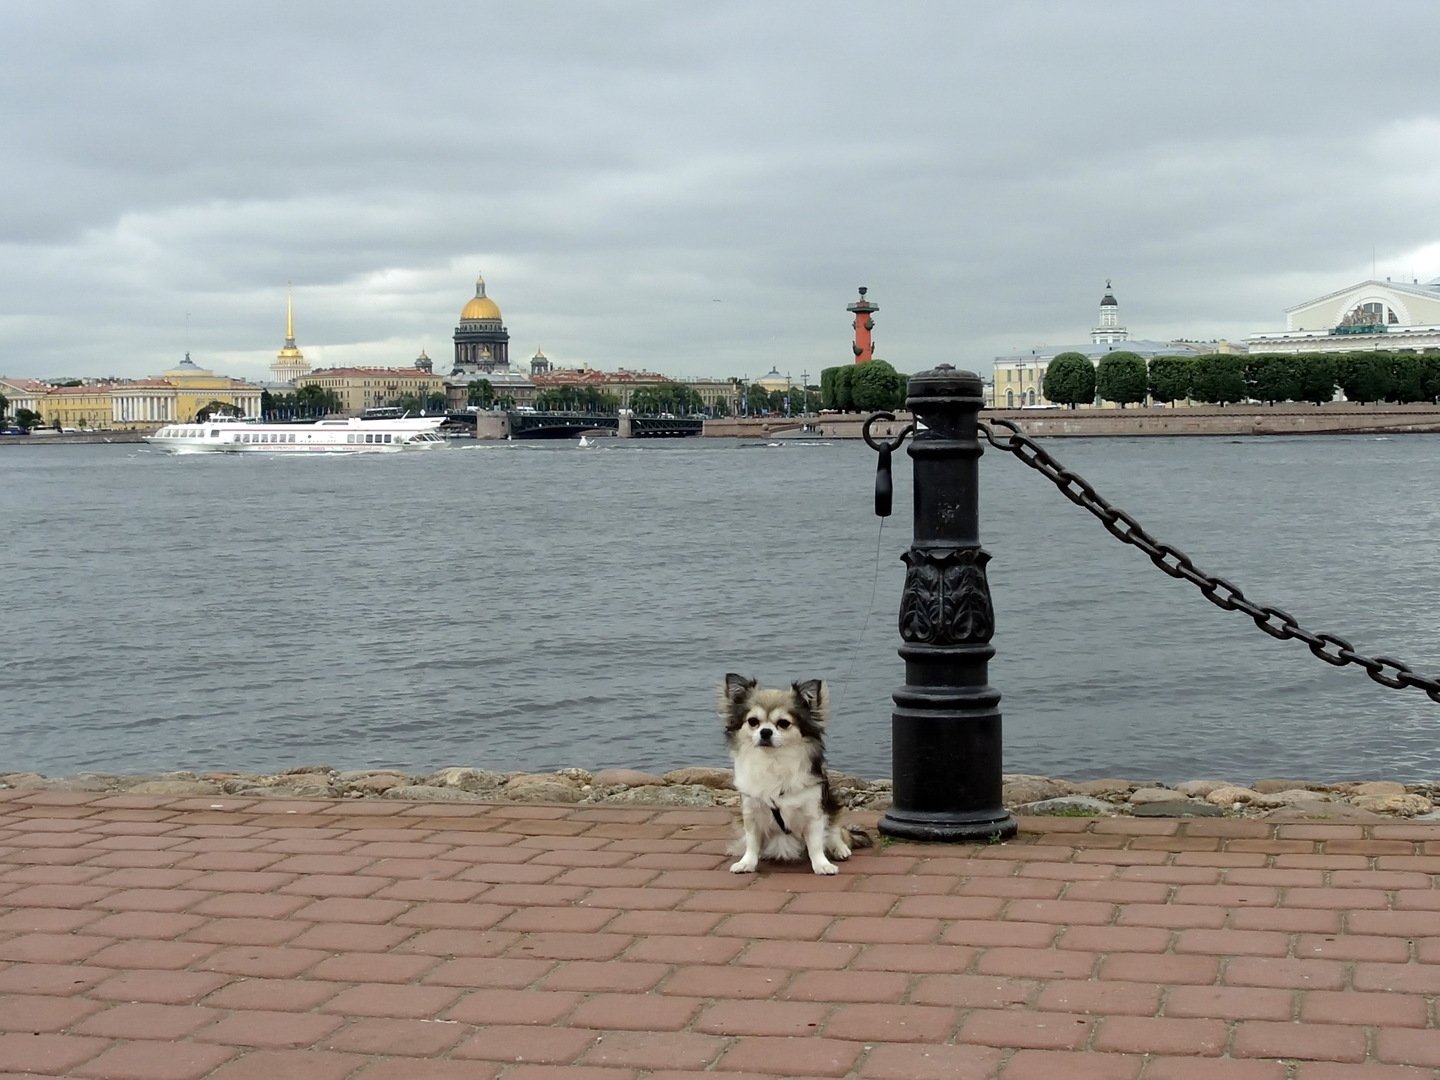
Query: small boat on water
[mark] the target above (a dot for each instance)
(233, 435)
(584, 442)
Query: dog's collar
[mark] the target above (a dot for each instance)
(779, 820)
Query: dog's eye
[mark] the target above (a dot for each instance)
(754, 721)
(782, 723)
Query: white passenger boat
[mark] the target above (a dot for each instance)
(232, 435)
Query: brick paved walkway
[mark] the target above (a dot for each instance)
(168, 939)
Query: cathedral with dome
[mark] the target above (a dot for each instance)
(482, 344)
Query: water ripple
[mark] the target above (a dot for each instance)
(525, 606)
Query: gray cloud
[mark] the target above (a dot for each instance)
(614, 168)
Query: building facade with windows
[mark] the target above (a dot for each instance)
(361, 388)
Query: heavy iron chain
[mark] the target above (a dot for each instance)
(1223, 594)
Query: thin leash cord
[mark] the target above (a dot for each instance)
(860, 638)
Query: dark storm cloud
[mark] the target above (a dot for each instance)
(616, 168)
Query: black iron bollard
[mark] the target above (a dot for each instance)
(945, 729)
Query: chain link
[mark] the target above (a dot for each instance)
(1223, 594)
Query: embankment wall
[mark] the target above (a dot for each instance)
(1332, 418)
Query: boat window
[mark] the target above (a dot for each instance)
(215, 434)
(387, 438)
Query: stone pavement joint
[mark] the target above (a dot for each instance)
(153, 938)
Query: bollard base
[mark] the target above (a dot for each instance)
(982, 826)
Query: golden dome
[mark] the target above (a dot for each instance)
(481, 307)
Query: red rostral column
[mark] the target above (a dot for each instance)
(864, 345)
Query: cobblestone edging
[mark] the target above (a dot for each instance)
(1273, 798)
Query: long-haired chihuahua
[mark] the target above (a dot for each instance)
(788, 808)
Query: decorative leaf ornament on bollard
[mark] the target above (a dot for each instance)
(945, 729)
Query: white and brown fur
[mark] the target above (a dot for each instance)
(788, 808)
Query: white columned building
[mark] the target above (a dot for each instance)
(1370, 315)
(142, 403)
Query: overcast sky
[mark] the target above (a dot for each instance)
(696, 189)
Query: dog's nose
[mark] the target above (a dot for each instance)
(765, 734)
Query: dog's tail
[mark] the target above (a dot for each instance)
(859, 838)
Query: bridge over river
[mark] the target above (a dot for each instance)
(527, 424)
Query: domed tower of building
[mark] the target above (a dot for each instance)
(290, 362)
(864, 347)
(539, 364)
(1108, 330)
(482, 344)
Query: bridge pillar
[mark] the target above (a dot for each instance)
(492, 425)
(626, 426)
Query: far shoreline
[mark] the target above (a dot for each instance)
(1331, 418)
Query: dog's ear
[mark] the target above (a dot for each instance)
(812, 693)
(737, 687)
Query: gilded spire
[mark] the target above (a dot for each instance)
(289, 362)
(480, 285)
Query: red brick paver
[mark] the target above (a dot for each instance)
(218, 939)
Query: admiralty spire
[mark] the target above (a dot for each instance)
(289, 362)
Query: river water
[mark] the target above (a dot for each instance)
(537, 605)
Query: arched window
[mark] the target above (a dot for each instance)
(1009, 399)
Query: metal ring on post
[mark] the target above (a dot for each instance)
(894, 445)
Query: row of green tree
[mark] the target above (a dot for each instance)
(674, 398)
(1124, 377)
(866, 387)
(309, 402)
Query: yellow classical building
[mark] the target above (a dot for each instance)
(196, 387)
(77, 407)
(178, 395)
(370, 388)
(143, 404)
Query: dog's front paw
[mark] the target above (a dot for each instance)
(839, 850)
(747, 866)
(824, 866)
